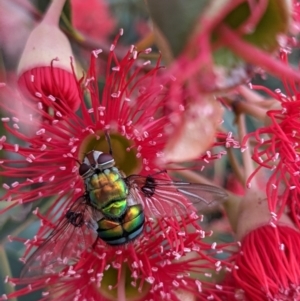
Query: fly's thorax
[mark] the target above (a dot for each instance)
(100, 179)
(106, 187)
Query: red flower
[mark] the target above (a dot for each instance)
(277, 149)
(52, 142)
(267, 266)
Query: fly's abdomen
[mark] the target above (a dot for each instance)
(125, 229)
(133, 218)
(110, 231)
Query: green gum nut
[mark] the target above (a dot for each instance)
(131, 287)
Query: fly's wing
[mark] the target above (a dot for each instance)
(162, 197)
(72, 235)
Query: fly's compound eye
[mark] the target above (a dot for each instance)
(105, 160)
(84, 169)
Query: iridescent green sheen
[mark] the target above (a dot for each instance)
(109, 229)
(125, 229)
(133, 218)
(108, 192)
(115, 209)
(106, 187)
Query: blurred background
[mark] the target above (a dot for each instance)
(89, 24)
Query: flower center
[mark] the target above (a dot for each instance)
(117, 282)
(123, 151)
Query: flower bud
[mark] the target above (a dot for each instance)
(267, 268)
(267, 265)
(45, 66)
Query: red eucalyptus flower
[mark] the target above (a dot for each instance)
(267, 266)
(47, 165)
(277, 149)
(44, 150)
